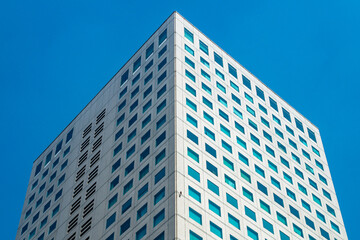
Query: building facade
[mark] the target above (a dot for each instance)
(183, 143)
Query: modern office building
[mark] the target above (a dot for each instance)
(183, 143)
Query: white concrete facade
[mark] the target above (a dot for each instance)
(177, 147)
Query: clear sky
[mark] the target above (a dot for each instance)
(56, 55)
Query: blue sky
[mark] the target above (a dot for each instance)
(56, 55)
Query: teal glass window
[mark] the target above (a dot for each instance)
(335, 227)
(325, 234)
(226, 146)
(302, 189)
(189, 35)
(250, 213)
(205, 75)
(191, 105)
(137, 64)
(278, 200)
(214, 208)
(246, 82)
(207, 102)
(234, 221)
(125, 226)
(191, 120)
(218, 59)
(210, 150)
(245, 175)
(272, 166)
(257, 154)
(159, 196)
(252, 234)
(315, 151)
(237, 113)
(209, 118)
(190, 89)
(142, 191)
(311, 135)
(219, 74)
(265, 122)
(248, 194)
(194, 215)
(162, 64)
(270, 150)
(222, 101)
(262, 108)
(298, 230)
(260, 171)
(277, 120)
(144, 171)
(206, 63)
(211, 168)
(231, 200)
(299, 125)
(231, 182)
(283, 236)
(286, 114)
(273, 104)
(203, 47)
(287, 177)
(267, 136)
(265, 206)
(162, 37)
(126, 206)
(268, 226)
(239, 127)
(243, 159)
(160, 175)
(319, 165)
(206, 88)
(262, 188)
(254, 139)
(221, 87)
(317, 200)
(194, 194)
(189, 50)
(111, 220)
(213, 187)
(209, 133)
(194, 236)
(234, 86)
(232, 71)
(250, 110)
(260, 93)
(192, 154)
(276, 183)
(159, 217)
(291, 194)
(160, 156)
(281, 218)
(142, 211)
(141, 232)
(223, 115)
(279, 133)
(289, 130)
(225, 130)
(190, 75)
(235, 99)
(305, 205)
(128, 186)
(292, 143)
(248, 97)
(216, 230)
(228, 163)
(193, 173)
(189, 62)
(309, 223)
